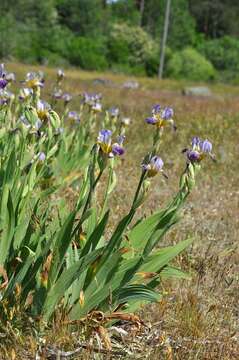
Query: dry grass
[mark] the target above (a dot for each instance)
(196, 319)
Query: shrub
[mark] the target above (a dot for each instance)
(132, 46)
(189, 64)
(223, 53)
(87, 53)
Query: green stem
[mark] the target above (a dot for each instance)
(106, 192)
(141, 180)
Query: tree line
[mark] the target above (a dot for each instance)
(124, 35)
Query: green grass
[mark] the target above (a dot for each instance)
(196, 319)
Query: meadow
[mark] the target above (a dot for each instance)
(196, 317)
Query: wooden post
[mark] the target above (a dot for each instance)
(164, 39)
(141, 10)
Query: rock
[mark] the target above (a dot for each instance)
(103, 82)
(131, 84)
(197, 91)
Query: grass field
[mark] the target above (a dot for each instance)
(197, 318)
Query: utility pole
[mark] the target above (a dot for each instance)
(164, 39)
(141, 10)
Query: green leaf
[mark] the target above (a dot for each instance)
(11, 166)
(20, 273)
(61, 245)
(52, 151)
(141, 233)
(162, 257)
(64, 282)
(136, 293)
(96, 235)
(7, 224)
(172, 272)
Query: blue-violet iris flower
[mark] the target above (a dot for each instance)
(154, 166)
(200, 148)
(106, 146)
(161, 117)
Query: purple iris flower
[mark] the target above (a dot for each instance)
(24, 121)
(60, 74)
(105, 136)
(66, 97)
(193, 155)
(43, 106)
(195, 141)
(34, 79)
(104, 140)
(154, 166)
(114, 111)
(38, 124)
(91, 99)
(3, 83)
(6, 96)
(42, 156)
(10, 77)
(3, 102)
(167, 113)
(73, 115)
(156, 109)
(25, 93)
(156, 162)
(199, 149)
(2, 71)
(117, 149)
(151, 120)
(97, 107)
(120, 139)
(57, 94)
(205, 146)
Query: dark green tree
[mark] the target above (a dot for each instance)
(216, 18)
(126, 11)
(83, 17)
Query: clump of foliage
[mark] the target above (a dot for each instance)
(87, 53)
(223, 53)
(60, 258)
(190, 64)
(131, 46)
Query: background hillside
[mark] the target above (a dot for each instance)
(124, 36)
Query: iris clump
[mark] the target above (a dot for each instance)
(60, 258)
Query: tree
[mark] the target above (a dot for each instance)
(83, 17)
(126, 11)
(216, 18)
